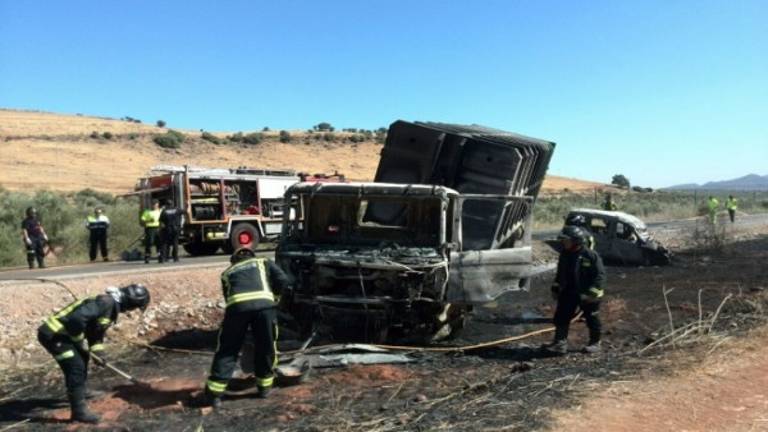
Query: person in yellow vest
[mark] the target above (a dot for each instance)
(150, 220)
(732, 206)
(712, 206)
(97, 225)
(609, 204)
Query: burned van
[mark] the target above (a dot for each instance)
(621, 238)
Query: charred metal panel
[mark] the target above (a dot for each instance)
(470, 159)
(478, 277)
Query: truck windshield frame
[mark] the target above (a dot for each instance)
(367, 220)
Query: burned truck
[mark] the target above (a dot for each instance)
(446, 226)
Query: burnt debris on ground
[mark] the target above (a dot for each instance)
(510, 387)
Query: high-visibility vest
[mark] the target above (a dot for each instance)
(731, 204)
(151, 218)
(93, 222)
(713, 204)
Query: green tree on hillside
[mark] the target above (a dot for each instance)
(621, 181)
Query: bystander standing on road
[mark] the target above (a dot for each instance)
(712, 206)
(170, 228)
(98, 225)
(732, 205)
(150, 220)
(35, 238)
(608, 204)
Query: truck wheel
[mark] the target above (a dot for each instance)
(244, 235)
(200, 248)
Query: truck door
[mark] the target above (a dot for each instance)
(478, 276)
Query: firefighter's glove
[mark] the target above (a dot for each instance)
(555, 292)
(28, 242)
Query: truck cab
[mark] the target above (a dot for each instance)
(376, 261)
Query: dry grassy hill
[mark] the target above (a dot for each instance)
(60, 152)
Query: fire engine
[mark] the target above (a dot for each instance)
(223, 208)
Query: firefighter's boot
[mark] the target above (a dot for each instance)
(593, 348)
(80, 411)
(263, 392)
(211, 399)
(557, 347)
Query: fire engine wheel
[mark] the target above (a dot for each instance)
(244, 235)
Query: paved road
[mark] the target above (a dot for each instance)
(118, 267)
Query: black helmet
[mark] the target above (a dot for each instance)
(242, 254)
(574, 233)
(134, 296)
(31, 211)
(576, 220)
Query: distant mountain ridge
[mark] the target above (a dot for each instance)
(750, 182)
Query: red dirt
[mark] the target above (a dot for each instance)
(372, 375)
(163, 395)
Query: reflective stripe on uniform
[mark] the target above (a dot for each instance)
(596, 292)
(265, 382)
(78, 338)
(216, 386)
(255, 295)
(53, 322)
(97, 347)
(65, 355)
(105, 321)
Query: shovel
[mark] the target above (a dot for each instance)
(119, 372)
(295, 372)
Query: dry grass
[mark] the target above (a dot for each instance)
(66, 159)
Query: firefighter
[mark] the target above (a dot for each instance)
(97, 225)
(71, 334)
(581, 222)
(608, 204)
(170, 228)
(578, 284)
(250, 285)
(732, 205)
(35, 238)
(712, 206)
(150, 220)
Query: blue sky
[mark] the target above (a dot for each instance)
(664, 92)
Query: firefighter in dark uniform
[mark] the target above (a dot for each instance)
(581, 222)
(35, 238)
(578, 283)
(97, 225)
(250, 285)
(150, 220)
(71, 334)
(609, 204)
(170, 228)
